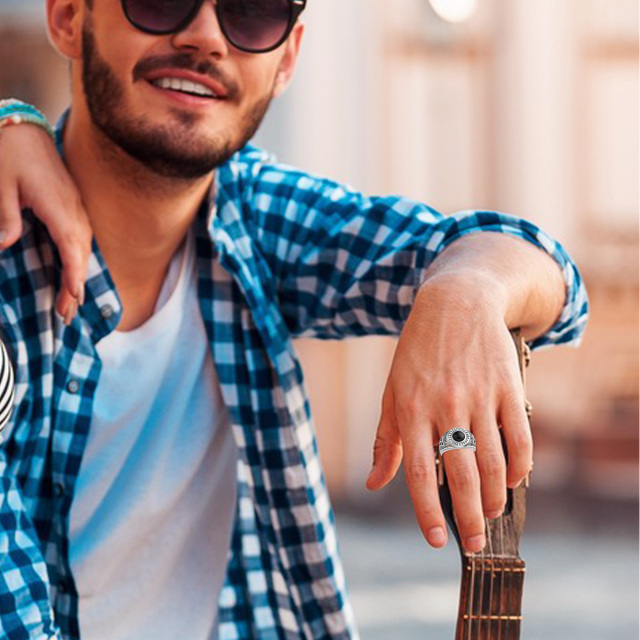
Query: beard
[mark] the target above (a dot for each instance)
(177, 150)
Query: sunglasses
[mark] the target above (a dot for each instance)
(253, 26)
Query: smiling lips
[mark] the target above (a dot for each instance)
(184, 86)
(188, 83)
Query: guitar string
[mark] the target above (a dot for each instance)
(502, 572)
(470, 607)
(493, 557)
(483, 565)
(482, 557)
(490, 540)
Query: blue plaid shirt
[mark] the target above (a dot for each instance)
(280, 254)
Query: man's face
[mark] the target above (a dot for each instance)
(144, 92)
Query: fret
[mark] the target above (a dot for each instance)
(502, 569)
(488, 617)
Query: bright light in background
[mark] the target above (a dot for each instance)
(454, 10)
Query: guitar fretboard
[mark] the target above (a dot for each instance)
(490, 598)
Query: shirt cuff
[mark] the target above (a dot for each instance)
(571, 323)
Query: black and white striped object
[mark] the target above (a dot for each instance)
(7, 387)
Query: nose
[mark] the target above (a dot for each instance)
(203, 33)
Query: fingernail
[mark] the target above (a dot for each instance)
(80, 292)
(475, 543)
(71, 312)
(436, 535)
(494, 514)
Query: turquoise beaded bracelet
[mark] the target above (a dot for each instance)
(15, 112)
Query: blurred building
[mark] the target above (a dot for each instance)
(523, 107)
(528, 108)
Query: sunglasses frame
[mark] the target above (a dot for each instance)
(296, 8)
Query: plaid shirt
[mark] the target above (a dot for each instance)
(280, 254)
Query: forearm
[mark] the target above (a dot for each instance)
(508, 274)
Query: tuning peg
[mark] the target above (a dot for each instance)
(528, 407)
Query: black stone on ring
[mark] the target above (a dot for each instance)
(456, 438)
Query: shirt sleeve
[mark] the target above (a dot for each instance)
(346, 264)
(25, 609)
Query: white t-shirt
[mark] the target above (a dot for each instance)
(150, 523)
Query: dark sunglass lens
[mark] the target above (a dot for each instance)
(254, 24)
(159, 16)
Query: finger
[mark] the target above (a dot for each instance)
(387, 447)
(517, 433)
(11, 230)
(71, 232)
(420, 472)
(491, 463)
(65, 302)
(464, 484)
(74, 268)
(10, 216)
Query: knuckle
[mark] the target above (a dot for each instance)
(418, 470)
(461, 477)
(71, 237)
(450, 401)
(514, 399)
(381, 442)
(491, 464)
(409, 408)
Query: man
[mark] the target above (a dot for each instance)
(160, 476)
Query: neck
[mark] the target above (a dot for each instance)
(139, 219)
(490, 598)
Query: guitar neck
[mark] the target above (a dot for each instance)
(490, 598)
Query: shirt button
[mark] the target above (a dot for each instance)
(58, 489)
(73, 386)
(106, 311)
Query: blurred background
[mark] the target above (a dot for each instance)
(522, 106)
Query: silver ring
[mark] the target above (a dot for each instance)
(457, 438)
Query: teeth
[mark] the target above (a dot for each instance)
(186, 86)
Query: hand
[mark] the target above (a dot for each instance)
(455, 365)
(33, 175)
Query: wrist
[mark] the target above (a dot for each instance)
(16, 112)
(469, 290)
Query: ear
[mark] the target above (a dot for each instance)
(289, 59)
(64, 23)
